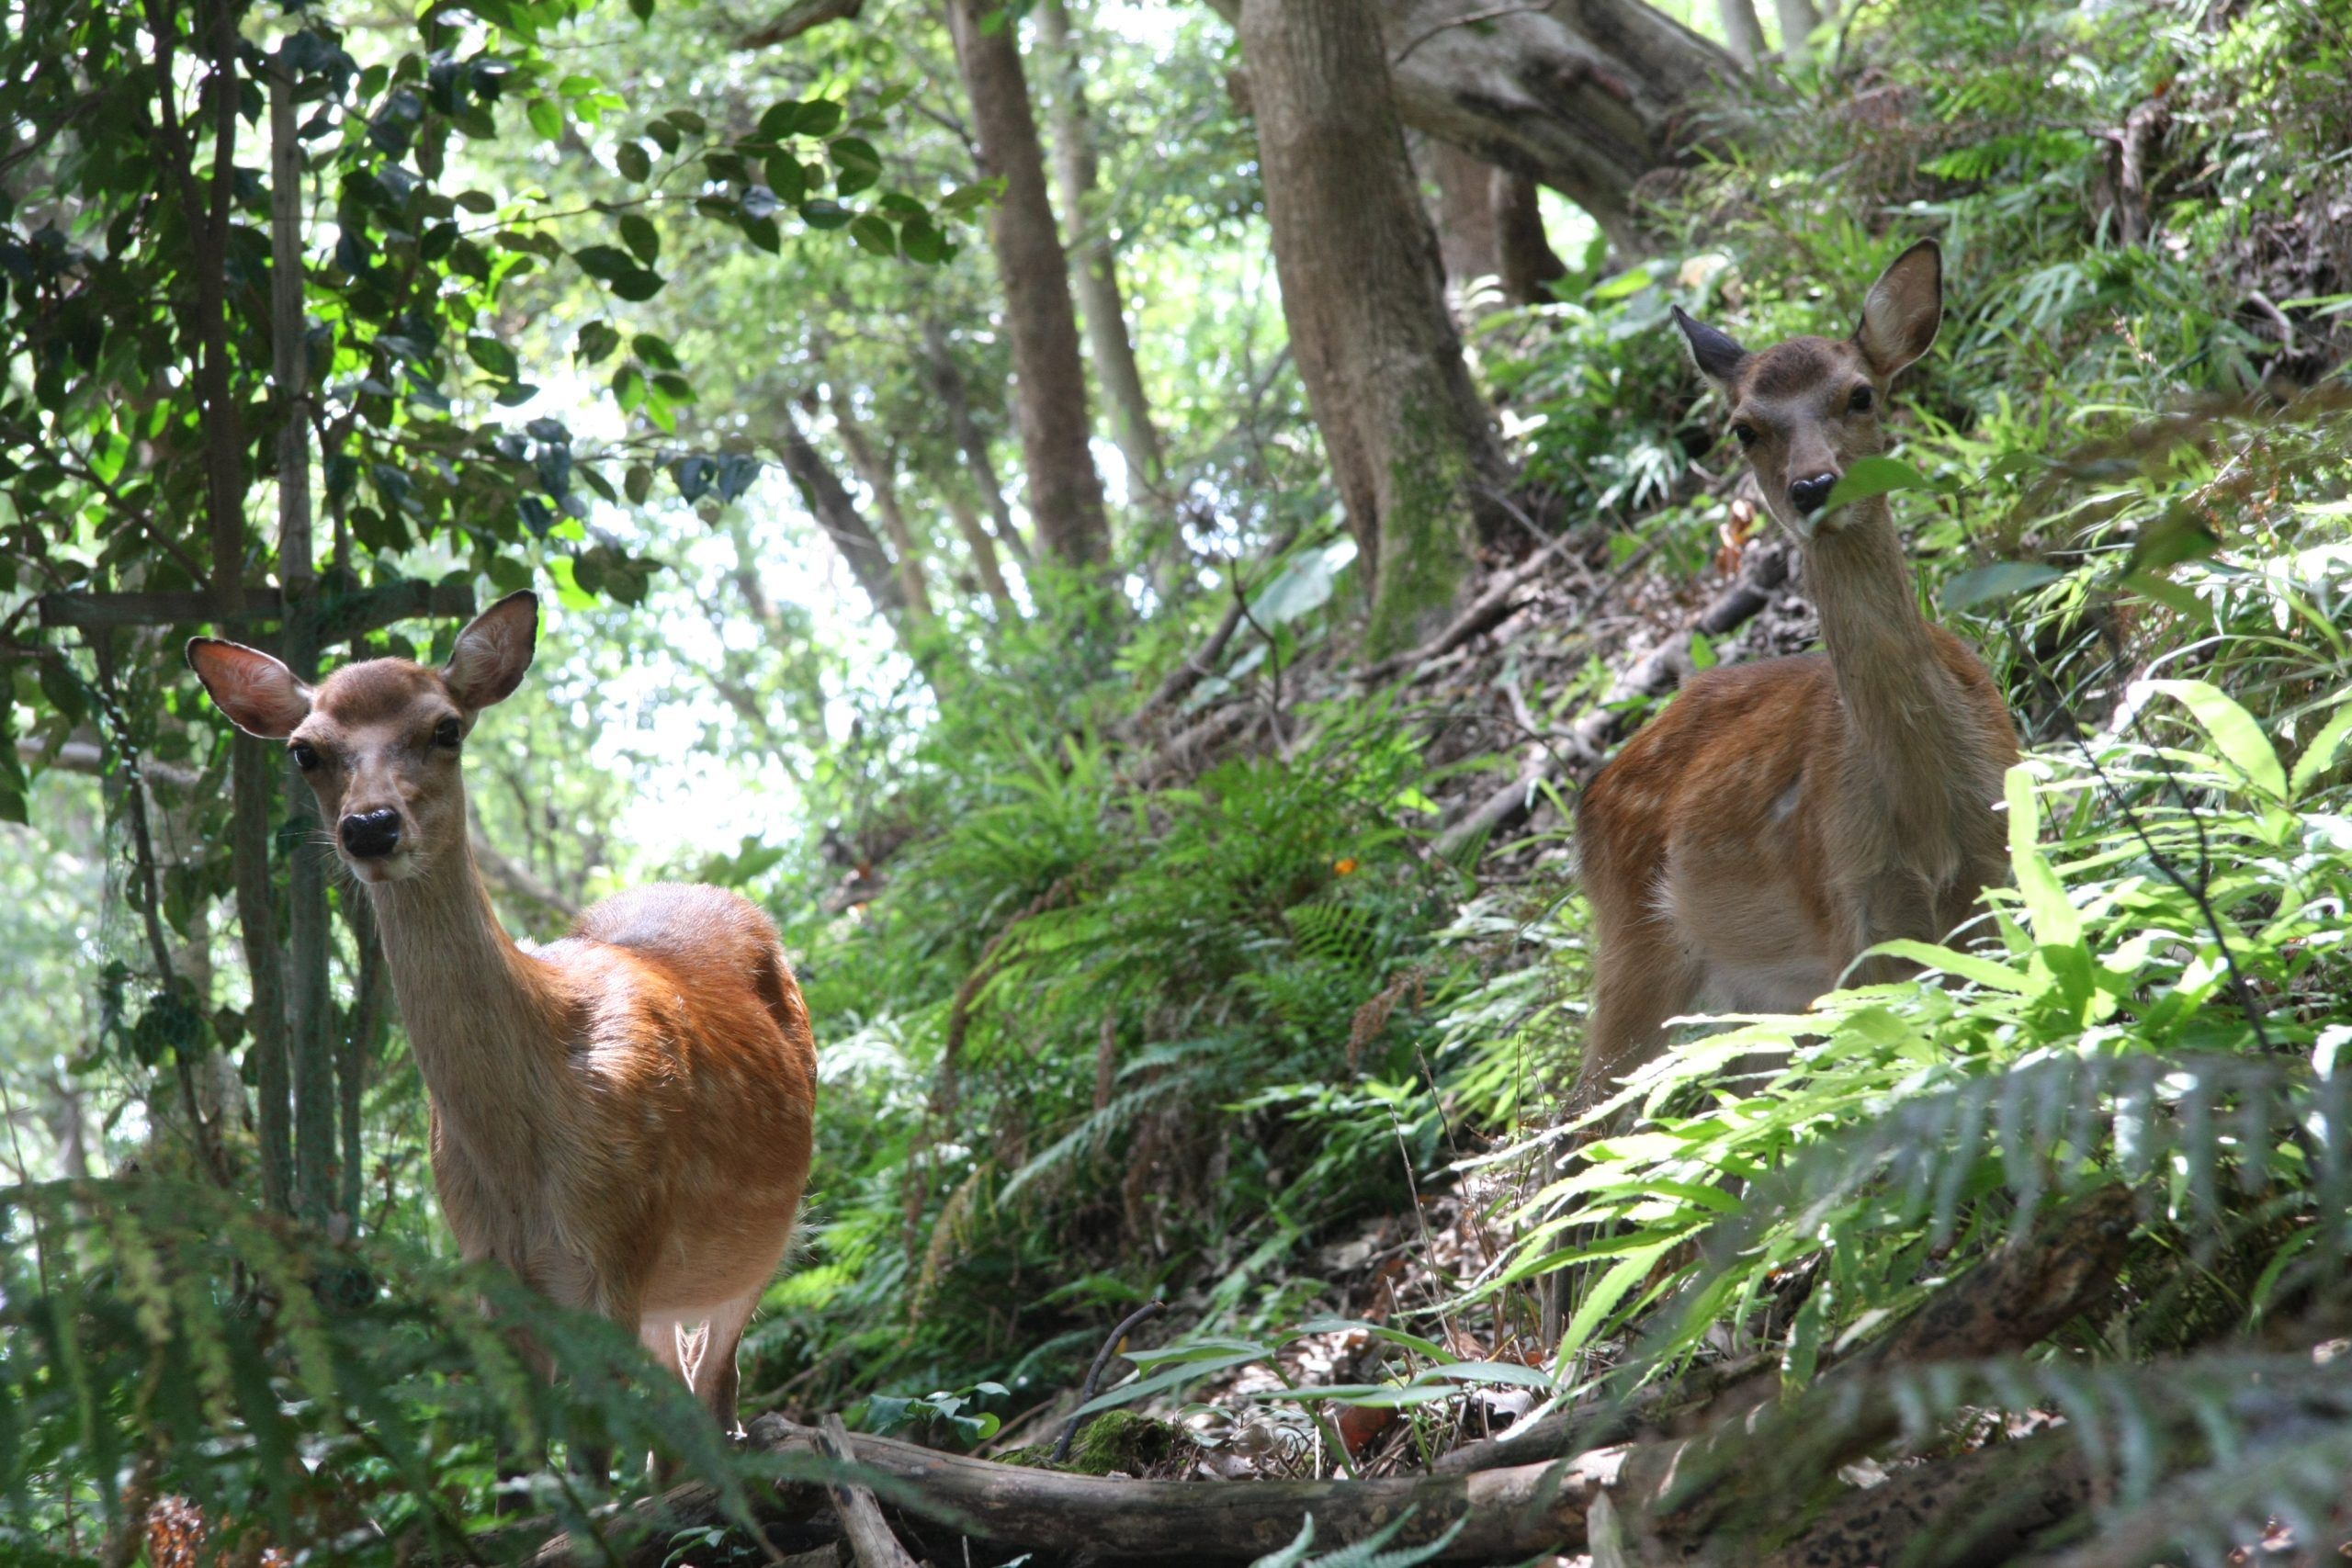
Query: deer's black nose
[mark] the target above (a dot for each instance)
(1806, 495)
(372, 835)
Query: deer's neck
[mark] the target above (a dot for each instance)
(1902, 705)
(484, 1018)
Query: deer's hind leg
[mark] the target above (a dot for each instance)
(1642, 974)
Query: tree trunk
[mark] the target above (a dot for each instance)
(836, 513)
(1798, 18)
(1529, 262)
(957, 493)
(1740, 26)
(955, 397)
(1584, 95)
(312, 1013)
(1065, 492)
(1095, 264)
(875, 469)
(1411, 446)
(1467, 240)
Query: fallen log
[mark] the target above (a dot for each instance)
(1510, 1514)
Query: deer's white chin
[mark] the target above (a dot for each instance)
(402, 865)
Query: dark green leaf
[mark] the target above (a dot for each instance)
(643, 239)
(638, 286)
(605, 262)
(634, 162)
(2002, 580)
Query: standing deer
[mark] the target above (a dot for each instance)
(1781, 817)
(623, 1118)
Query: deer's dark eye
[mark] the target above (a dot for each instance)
(448, 732)
(306, 756)
(1860, 401)
(1746, 433)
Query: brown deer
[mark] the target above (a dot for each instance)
(623, 1118)
(1781, 817)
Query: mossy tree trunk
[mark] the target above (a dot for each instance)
(1412, 449)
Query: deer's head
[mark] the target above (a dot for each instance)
(379, 741)
(1803, 409)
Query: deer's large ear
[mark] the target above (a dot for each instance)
(493, 651)
(260, 695)
(1716, 354)
(1903, 310)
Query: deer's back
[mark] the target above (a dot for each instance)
(694, 1069)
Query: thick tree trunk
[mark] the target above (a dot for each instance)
(1467, 240)
(1489, 226)
(1584, 95)
(1411, 446)
(1095, 265)
(1065, 492)
(1741, 28)
(836, 513)
(1529, 262)
(1798, 18)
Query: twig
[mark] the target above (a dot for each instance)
(1102, 1357)
(1273, 652)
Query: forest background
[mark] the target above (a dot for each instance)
(1123, 526)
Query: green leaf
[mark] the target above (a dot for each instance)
(2002, 580)
(856, 164)
(922, 242)
(874, 234)
(477, 201)
(821, 116)
(638, 483)
(546, 118)
(2178, 535)
(634, 162)
(605, 262)
(2056, 922)
(597, 343)
(1967, 965)
(1607, 1292)
(2234, 732)
(643, 239)
(494, 356)
(2320, 755)
(629, 386)
(654, 350)
(785, 178)
(2171, 596)
(638, 286)
(1871, 477)
(823, 214)
(781, 120)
